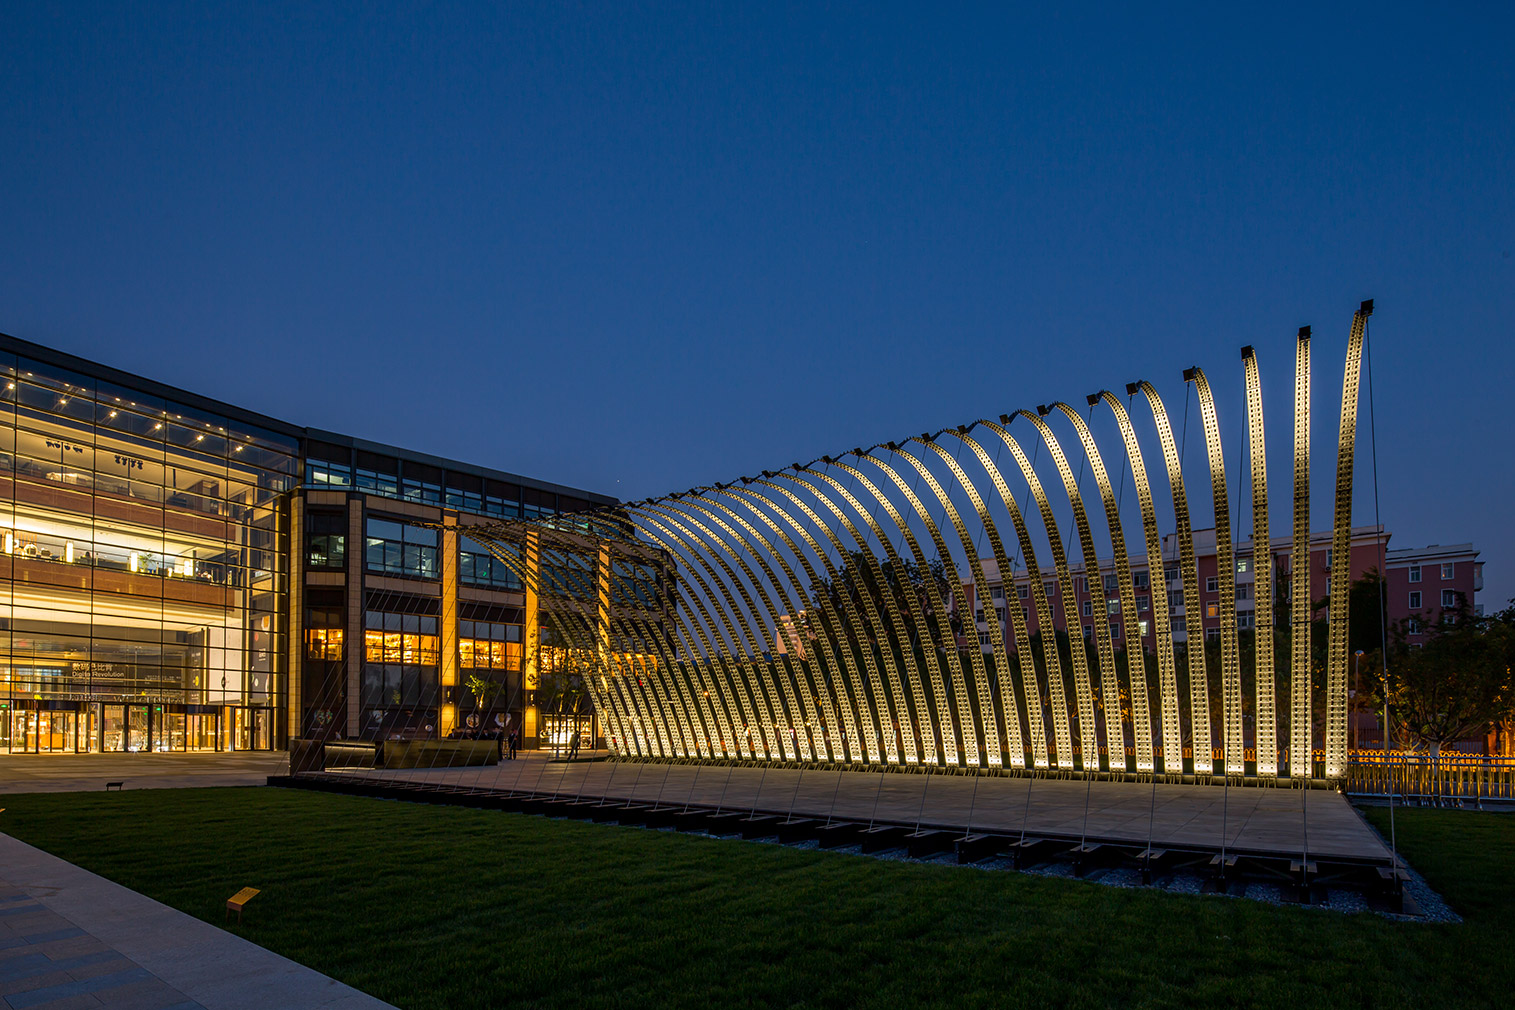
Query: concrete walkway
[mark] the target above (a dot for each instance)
(70, 939)
(68, 773)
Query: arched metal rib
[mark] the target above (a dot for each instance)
(1194, 633)
(1136, 670)
(1095, 582)
(1299, 571)
(1262, 578)
(1157, 587)
(1341, 554)
(1225, 568)
(1056, 689)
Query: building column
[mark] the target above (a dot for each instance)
(530, 669)
(447, 711)
(294, 677)
(357, 642)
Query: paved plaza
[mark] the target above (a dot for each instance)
(1276, 821)
(70, 939)
(68, 773)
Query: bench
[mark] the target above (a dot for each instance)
(236, 901)
(114, 785)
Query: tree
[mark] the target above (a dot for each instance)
(1458, 683)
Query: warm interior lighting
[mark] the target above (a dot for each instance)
(136, 562)
(187, 567)
(10, 543)
(68, 552)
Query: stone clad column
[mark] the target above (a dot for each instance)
(447, 709)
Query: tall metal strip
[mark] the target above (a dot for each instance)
(1036, 732)
(787, 678)
(890, 706)
(1262, 576)
(1341, 554)
(990, 726)
(1157, 587)
(752, 650)
(943, 721)
(1136, 669)
(831, 701)
(1225, 569)
(814, 683)
(1194, 633)
(902, 635)
(868, 720)
(965, 722)
(1300, 730)
(1095, 581)
(1056, 688)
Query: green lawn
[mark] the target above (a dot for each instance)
(443, 907)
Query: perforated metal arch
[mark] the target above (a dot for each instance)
(818, 616)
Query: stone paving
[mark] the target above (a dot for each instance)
(1278, 821)
(70, 939)
(60, 773)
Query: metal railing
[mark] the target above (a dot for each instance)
(1424, 777)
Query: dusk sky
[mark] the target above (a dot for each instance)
(635, 248)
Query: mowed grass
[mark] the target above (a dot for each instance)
(429, 906)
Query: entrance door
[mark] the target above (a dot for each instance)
(115, 728)
(55, 732)
(137, 724)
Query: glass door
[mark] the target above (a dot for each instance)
(202, 731)
(115, 728)
(55, 732)
(137, 736)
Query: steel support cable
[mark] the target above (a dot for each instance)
(1233, 738)
(902, 634)
(1262, 577)
(963, 724)
(787, 678)
(1010, 710)
(798, 606)
(1056, 688)
(981, 589)
(881, 688)
(1300, 730)
(796, 665)
(1136, 678)
(716, 545)
(748, 662)
(1083, 678)
(1025, 656)
(1341, 554)
(820, 684)
(852, 707)
(942, 723)
(729, 664)
(1199, 695)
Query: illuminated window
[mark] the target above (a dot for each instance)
(1447, 570)
(323, 643)
(1212, 610)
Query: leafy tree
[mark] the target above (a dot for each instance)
(1458, 683)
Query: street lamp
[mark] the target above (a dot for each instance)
(1356, 700)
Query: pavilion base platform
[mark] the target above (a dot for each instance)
(1304, 840)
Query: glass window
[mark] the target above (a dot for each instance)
(1212, 584)
(1141, 580)
(1143, 603)
(1449, 597)
(1447, 570)
(1088, 608)
(1415, 600)
(1414, 573)
(394, 548)
(326, 540)
(319, 473)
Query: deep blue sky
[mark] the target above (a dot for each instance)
(636, 248)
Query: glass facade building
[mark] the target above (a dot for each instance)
(178, 574)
